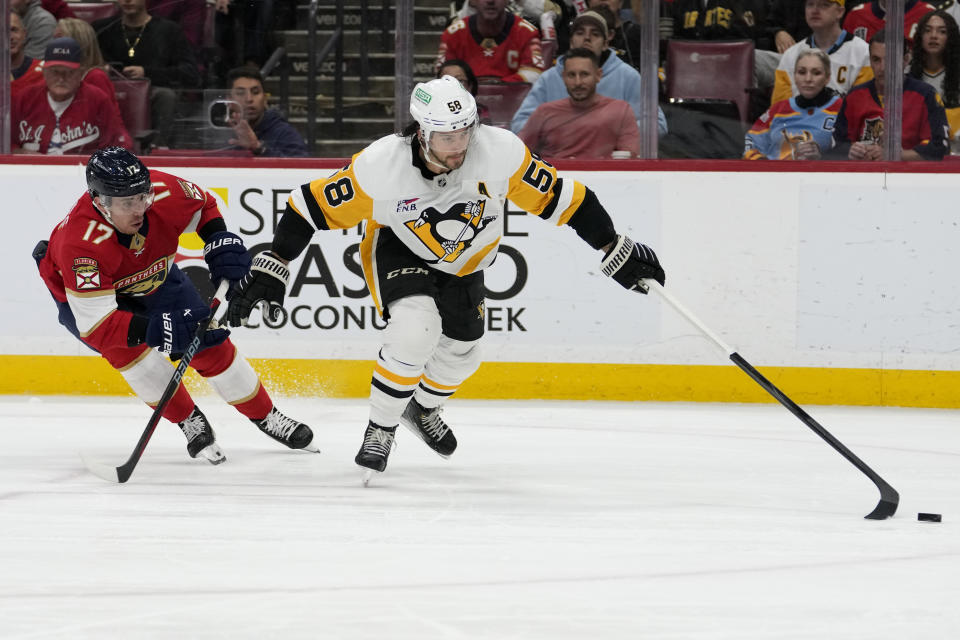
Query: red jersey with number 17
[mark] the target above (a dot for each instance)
(89, 263)
(515, 48)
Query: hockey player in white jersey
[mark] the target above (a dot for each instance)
(433, 199)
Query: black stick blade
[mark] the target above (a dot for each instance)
(889, 501)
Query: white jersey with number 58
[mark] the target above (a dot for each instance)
(453, 221)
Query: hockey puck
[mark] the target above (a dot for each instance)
(929, 517)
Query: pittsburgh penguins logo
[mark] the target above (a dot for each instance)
(872, 130)
(448, 234)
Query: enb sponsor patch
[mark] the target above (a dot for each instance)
(88, 273)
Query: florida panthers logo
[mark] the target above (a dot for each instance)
(449, 234)
(872, 130)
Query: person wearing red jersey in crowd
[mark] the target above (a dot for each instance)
(866, 19)
(586, 124)
(92, 63)
(109, 266)
(64, 115)
(495, 43)
(859, 129)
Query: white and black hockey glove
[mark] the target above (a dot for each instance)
(265, 285)
(629, 262)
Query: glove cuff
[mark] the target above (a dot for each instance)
(222, 239)
(269, 263)
(617, 256)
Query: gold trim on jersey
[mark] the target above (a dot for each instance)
(438, 386)
(248, 398)
(579, 192)
(472, 263)
(84, 334)
(90, 294)
(379, 369)
(135, 361)
(368, 262)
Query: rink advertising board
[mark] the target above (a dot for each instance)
(837, 285)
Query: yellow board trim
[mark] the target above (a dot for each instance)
(91, 375)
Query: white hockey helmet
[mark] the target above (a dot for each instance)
(442, 106)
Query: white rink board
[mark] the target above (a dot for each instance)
(793, 269)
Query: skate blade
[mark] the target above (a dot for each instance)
(212, 454)
(312, 448)
(367, 476)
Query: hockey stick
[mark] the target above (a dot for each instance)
(889, 498)
(122, 473)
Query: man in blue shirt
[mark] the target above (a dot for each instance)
(591, 30)
(261, 130)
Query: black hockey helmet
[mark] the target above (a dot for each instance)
(115, 172)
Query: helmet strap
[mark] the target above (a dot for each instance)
(104, 210)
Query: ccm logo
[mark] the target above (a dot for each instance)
(407, 271)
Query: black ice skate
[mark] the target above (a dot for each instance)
(201, 440)
(287, 431)
(377, 443)
(430, 427)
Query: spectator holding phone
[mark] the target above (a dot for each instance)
(260, 129)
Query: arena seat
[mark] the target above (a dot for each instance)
(92, 11)
(711, 70)
(502, 99)
(133, 96)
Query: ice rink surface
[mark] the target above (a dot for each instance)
(552, 520)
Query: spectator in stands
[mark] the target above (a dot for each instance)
(849, 55)
(787, 22)
(495, 43)
(37, 22)
(625, 38)
(191, 15)
(65, 115)
(142, 46)
(866, 19)
(584, 125)
(591, 29)
(260, 129)
(859, 131)
(465, 76)
(801, 127)
(59, 9)
(251, 18)
(24, 70)
(92, 64)
(936, 61)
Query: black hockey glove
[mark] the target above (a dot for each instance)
(629, 262)
(226, 257)
(265, 285)
(172, 331)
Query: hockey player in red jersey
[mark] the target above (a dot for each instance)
(109, 266)
(424, 267)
